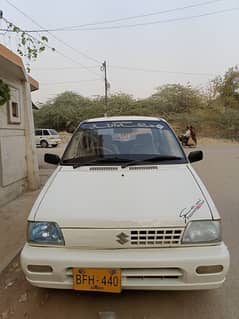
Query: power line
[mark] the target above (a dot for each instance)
(126, 26)
(74, 28)
(159, 71)
(127, 68)
(70, 82)
(31, 36)
(56, 38)
(53, 49)
(77, 62)
(149, 14)
(131, 25)
(64, 68)
(156, 22)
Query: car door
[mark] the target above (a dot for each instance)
(46, 135)
(38, 134)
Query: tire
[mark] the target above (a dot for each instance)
(54, 145)
(44, 144)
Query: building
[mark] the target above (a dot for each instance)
(18, 161)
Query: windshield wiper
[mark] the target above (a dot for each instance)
(100, 161)
(159, 158)
(127, 162)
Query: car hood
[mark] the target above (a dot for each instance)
(112, 197)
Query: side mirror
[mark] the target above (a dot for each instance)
(195, 156)
(52, 159)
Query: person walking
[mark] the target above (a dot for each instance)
(184, 138)
(193, 134)
(187, 135)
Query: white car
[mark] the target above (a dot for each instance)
(47, 137)
(124, 209)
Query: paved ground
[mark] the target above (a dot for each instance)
(13, 224)
(220, 172)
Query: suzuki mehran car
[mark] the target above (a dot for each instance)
(47, 137)
(124, 209)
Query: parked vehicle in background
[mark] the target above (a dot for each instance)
(124, 209)
(47, 137)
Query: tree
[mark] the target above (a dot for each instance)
(120, 104)
(226, 88)
(177, 98)
(66, 110)
(4, 93)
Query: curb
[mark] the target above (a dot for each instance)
(9, 260)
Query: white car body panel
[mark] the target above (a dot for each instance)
(111, 198)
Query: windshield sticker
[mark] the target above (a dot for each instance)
(123, 137)
(123, 124)
(187, 213)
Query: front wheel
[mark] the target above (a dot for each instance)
(44, 144)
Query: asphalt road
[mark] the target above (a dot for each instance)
(220, 172)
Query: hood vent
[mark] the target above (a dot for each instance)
(104, 168)
(136, 168)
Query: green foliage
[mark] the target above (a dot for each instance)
(228, 123)
(27, 45)
(66, 109)
(120, 104)
(4, 93)
(177, 98)
(226, 89)
(180, 105)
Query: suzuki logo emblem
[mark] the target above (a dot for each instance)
(122, 238)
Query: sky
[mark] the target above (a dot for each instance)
(172, 48)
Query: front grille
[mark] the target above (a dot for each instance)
(123, 238)
(159, 273)
(156, 237)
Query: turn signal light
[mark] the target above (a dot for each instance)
(209, 269)
(39, 268)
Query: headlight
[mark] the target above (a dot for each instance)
(205, 231)
(44, 233)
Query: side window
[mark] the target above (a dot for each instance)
(45, 132)
(38, 132)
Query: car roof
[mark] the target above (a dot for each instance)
(124, 118)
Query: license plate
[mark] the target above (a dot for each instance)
(95, 279)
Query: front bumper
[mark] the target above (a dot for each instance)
(55, 141)
(153, 269)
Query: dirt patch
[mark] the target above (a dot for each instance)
(17, 298)
(65, 137)
(210, 140)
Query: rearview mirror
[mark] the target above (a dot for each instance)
(52, 159)
(195, 156)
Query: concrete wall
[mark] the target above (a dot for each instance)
(16, 147)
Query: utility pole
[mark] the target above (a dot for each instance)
(104, 69)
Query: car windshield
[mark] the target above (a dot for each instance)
(123, 141)
(53, 132)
